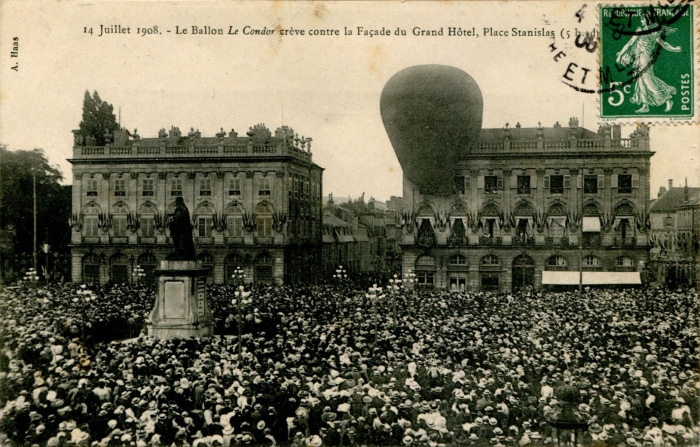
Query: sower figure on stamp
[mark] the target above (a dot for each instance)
(181, 232)
(641, 52)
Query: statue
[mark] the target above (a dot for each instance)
(181, 232)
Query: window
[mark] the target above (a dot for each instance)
(556, 261)
(234, 187)
(490, 261)
(556, 184)
(264, 186)
(176, 187)
(91, 269)
(148, 228)
(591, 261)
(91, 229)
(119, 226)
(668, 221)
(624, 261)
(624, 183)
(91, 187)
(204, 226)
(590, 184)
(523, 184)
(205, 187)
(264, 221)
(459, 184)
(491, 184)
(296, 187)
(120, 187)
(489, 282)
(458, 260)
(425, 270)
(147, 189)
(234, 225)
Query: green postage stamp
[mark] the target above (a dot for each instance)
(648, 62)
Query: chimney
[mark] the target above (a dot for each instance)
(662, 191)
(685, 190)
(573, 122)
(616, 132)
(670, 184)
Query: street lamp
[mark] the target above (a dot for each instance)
(340, 274)
(240, 300)
(410, 279)
(375, 295)
(84, 298)
(138, 274)
(394, 289)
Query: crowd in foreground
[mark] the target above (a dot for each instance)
(328, 365)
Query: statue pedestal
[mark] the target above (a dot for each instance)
(181, 309)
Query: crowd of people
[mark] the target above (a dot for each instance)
(332, 365)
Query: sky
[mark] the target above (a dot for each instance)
(325, 87)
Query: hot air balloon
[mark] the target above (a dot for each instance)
(432, 114)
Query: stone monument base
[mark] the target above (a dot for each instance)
(181, 309)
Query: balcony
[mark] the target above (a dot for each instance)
(147, 240)
(205, 240)
(620, 241)
(91, 239)
(523, 240)
(485, 240)
(230, 240)
(119, 240)
(264, 240)
(556, 241)
(453, 241)
(591, 240)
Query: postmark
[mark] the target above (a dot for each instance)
(648, 63)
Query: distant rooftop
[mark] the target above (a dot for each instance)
(672, 199)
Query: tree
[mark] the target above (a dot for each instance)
(16, 204)
(98, 118)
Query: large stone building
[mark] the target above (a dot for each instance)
(522, 201)
(255, 203)
(673, 261)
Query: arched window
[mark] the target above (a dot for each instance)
(264, 272)
(120, 268)
(624, 262)
(91, 220)
(490, 261)
(491, 210)
(556, 262)
(119, 213)
(591, 261)
(234, 221)
(425, 210)
(205, 215)
(458, 260)
(263, 220)
(624, 209)
(148, 213)
(91, 269)
(207, 263)
(148, 263)
(458, 209)
(590, 209)
(524, 209)
(556, 209)
(425, 270)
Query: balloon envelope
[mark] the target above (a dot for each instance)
(432, 114)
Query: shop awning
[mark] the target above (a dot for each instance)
(591, 224)
(590, 278)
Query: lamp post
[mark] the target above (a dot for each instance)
(410, 279)
(137, 274)
(374, 295)
(395, 289)
(84, 298)
(239, 301)
(46, 248)
(340, 274)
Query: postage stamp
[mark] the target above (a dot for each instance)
(648, 63)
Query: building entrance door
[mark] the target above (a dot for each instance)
(523, 272)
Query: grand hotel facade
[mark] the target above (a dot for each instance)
(532, 206)
(254, 200)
